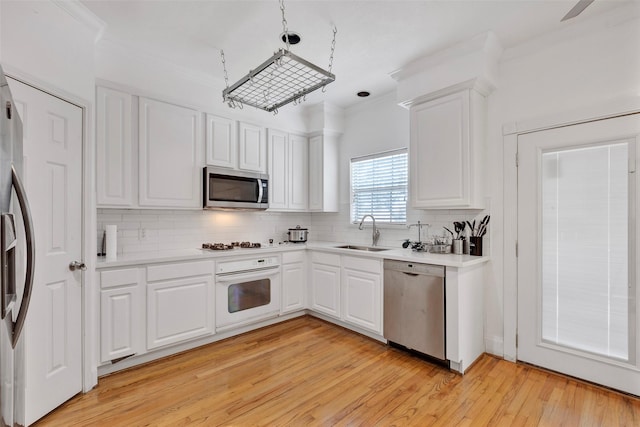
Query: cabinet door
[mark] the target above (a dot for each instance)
(114, 148)
(316, 189)
(294, 282)
(298, 166)
(323, 178)
(325, 289)
(253, 148)
(122, 310)
(179, 310)
(439, 160)
(221, 142)
(278, 170)
(170, 155)
(362, 299)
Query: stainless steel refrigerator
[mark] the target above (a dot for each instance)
(17, 255)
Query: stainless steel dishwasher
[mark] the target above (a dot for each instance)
(414, 306)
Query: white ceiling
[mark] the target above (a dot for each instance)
(374, 37)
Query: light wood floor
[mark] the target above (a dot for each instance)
(309, 372)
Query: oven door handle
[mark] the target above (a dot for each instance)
(247, 277)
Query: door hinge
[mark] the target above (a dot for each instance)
(516, 249)
(517, 160)
(516, 340)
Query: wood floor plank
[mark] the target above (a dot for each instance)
(306, 372)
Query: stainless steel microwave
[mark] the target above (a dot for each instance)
(230, 189)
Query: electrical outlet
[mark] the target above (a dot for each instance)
(142, 234)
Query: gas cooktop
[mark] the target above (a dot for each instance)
(232, 245)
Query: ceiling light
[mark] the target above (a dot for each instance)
(294, 38)
(363, 94)
(279, 80)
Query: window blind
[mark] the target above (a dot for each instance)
(379, 187)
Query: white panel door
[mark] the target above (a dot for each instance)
(170, 164)
(298, 172)
(325, 289)
(278, 170)
(361, 299)
(179, 310)
(577, 263)
(222, 141)
(294, 281)
(114, 148)
(253, 148)
(53, 175)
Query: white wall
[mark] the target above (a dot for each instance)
(42, 40)
(580, 67)
(158, 230)
(560, 73)
(374, 126)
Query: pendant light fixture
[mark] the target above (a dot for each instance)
(279, 80)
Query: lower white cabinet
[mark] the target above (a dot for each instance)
(180, 302)
(325, 284)
(121, 313)
(362, 292)
(294, 281)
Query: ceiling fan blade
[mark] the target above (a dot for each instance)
(577, 9)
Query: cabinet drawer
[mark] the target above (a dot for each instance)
(114, 278)
(291, 257)
(362, 264)
(325, 258)
(174, 271)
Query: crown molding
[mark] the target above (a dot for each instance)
(83, 15)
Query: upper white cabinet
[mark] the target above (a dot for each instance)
(288, 171)
(115, 150)
(221, 141)
(252, 147)
(323, 173)
(170, 155)
(446, 149)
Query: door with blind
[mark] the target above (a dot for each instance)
(577, 241)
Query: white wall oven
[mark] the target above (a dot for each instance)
(247, 291)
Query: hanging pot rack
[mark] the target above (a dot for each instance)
(280, 80)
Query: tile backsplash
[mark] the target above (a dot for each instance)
(157, 230)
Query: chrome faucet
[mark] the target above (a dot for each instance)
(375, 232)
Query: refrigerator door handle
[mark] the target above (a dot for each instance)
(31, 253)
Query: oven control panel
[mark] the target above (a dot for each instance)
(238, 266)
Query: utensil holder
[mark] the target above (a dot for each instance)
(475, 246)
(458, 246)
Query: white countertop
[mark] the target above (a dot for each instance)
(448, 260)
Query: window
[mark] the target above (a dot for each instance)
(379, 187)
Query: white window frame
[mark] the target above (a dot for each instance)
(379, 222)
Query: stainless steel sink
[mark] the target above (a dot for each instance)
(362, 248)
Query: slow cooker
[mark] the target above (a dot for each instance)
(298, 235)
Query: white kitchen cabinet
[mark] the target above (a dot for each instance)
(115, 149)
(221, 141)
(288, 171)
(294, 281)
(325, 284)
(121, 313)
(252, 147)
(180, 302)
(323, 173)
(446, 149)
(362, 292)
(170, 151)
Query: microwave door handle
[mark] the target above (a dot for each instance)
(31, 253)
(259, 191)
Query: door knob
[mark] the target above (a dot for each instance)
(75, 265)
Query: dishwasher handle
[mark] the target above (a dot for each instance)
(415, 268)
